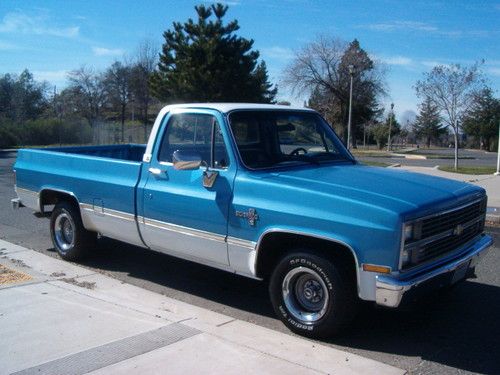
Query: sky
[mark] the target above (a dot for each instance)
(53, 37)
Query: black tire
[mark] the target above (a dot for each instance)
(312, 296)
(71, 240)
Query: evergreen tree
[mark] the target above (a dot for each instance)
(482, 119)
(206, 61)
(427, 124)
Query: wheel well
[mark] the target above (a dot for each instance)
(274, 246)
(53, 197)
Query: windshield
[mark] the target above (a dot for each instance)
(279, 138)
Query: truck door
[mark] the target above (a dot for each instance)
(185, 212)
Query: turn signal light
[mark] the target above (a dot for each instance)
(374, 268)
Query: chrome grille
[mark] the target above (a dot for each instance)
(450, 220)
(443, 233)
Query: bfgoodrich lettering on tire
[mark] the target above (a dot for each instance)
(312, 295)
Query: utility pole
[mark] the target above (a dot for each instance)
(390, 127)
(351, 74)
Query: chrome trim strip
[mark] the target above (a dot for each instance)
(390, 290)
(241, 243)
(183, 230)
(108, 212)
(445, 212)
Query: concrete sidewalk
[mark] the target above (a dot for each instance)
(59, 318)
(488, 182)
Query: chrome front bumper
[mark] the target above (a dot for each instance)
(390, 290)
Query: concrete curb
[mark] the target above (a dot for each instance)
(125, 318)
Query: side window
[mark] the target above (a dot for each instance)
(193, 133)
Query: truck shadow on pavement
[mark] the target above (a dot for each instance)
(459, 329)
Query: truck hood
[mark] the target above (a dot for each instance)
(399, 191)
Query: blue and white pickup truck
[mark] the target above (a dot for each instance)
(268, 192)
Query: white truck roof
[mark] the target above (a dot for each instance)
(228, 107)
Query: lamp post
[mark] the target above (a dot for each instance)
(497, 173)
(390, 127)
(351, 74)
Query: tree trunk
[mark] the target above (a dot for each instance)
(146, 123)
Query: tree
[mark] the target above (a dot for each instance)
(207, 61)
(450, 88)
(321, 69)
(483, 117)
(21, 97)
(142, 70)
(381, 130)
(117, 81)
(86, 92)
(428, 122)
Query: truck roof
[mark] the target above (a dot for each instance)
(228, 107)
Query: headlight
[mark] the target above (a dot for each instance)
(408, 232)
(412, 231)
(405, 257)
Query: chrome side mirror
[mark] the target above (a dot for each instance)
(185, 161)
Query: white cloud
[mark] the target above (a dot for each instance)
(101, 51)
(402, 25)
(397, 60)
(21, 23)
(431, 63)
(278, 53)
(422, 27)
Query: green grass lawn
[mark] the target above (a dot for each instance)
(469, 170)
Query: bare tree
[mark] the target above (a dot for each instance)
(87, 87)
(145, 63)
(118, 86)
(450, 88)
(321, 69)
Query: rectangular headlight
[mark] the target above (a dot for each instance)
(408, 232)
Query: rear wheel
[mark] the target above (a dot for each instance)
(313, 296)
(71, 240)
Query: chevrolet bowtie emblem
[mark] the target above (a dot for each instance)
(459, 229)
(251, 215)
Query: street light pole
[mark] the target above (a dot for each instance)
(390, 127)
(497, 173)
(351, 74)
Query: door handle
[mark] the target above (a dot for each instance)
(156, 171)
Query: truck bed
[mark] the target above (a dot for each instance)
(102, 180)
(131, 152)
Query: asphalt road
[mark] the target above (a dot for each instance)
(470, 158)
(451, 333)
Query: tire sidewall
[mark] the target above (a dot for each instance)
(331, 321)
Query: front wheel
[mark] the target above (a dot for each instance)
(69, 237)
(311, 295)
